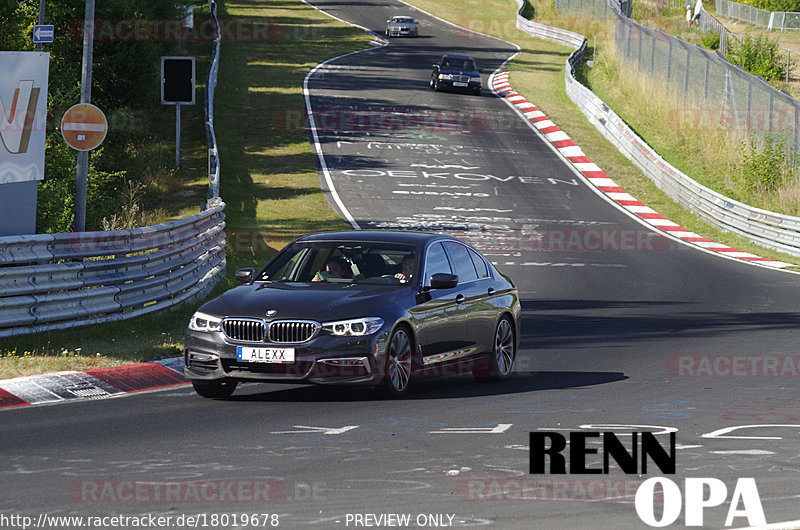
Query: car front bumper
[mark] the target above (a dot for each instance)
(325, 359)
(471, 86)
(402, 32)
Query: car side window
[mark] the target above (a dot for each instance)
(436, 261)
(480, 264)
(461, 261)
(291, 268)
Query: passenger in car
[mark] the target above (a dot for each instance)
(334, 268)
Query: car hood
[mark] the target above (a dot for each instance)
(407, 25)
(306, 301)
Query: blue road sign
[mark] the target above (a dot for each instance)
(43, 33)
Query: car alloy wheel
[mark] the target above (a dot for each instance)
(504, 348)
(220, 389)
(398, 363)
(503, 354)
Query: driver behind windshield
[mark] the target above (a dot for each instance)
(407, 269)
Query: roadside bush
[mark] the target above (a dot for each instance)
(759, 57)
(764, 167)
(710, 40)
(528, 11)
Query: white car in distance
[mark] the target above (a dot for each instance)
(402, 26)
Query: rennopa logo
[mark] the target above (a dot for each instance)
(16, 120)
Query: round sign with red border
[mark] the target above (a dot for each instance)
(84, 127)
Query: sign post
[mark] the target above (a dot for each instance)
(41, 22)
(177, 88)
(82, 171)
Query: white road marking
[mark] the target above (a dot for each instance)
(500, 428)
(318, 430)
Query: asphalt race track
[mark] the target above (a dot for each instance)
(624, 330)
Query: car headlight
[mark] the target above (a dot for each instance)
(202, 322)
(358, 327)
(476, 79)
(446, 77)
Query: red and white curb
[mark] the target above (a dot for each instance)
(100, 383)
(573, 153)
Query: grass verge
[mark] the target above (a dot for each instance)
(269, 179)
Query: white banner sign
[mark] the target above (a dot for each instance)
(23, 115)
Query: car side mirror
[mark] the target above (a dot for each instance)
(443, 280)
(245, 275)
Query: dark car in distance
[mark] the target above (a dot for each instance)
(374, 308)
(456, 72)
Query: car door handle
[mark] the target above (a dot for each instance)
(459, 298)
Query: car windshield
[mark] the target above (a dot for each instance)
(403, 20)
(454, 63)
(349, 262)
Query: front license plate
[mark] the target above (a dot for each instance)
(460, 84)
(265, 355)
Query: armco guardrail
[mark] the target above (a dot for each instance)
(56, 281)
(768, 229)
(560, 36)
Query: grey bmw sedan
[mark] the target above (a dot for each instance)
(374, 308)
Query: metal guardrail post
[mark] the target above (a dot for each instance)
(788, 64)
(669, 61)
(686, 77)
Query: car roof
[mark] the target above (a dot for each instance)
(402, 16)
(386, 236)
(451, 56)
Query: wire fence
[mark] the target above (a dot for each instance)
(709, 23)
(772, 20)
(723, 95)
(596, 8)
(663, 4)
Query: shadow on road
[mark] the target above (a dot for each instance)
(442, 388)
